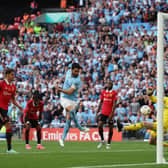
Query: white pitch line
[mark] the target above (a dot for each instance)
(16, 143)
(117, 165)
(109, 151)
(27, 153)
(105, 151)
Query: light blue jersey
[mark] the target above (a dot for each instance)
(71, 82)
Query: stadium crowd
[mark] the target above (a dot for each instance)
(110, 39)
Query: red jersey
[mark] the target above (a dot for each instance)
(33, 110)
(108, 98)
(7, 90)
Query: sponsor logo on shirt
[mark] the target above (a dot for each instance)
(6, 93)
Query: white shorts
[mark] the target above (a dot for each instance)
(66, 102)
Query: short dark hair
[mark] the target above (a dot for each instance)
(76, 65)
(9, 70)
(111, 82)
(36, 95)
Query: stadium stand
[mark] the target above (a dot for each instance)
(111, 39)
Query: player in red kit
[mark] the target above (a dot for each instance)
(108, 99)
(7, 95)
(32, 118)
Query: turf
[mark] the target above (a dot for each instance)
(131, 154)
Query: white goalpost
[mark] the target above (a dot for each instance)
(160, 86)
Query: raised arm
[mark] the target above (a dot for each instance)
(13, 100)
(68, 91)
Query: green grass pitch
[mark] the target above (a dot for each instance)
(130, 154)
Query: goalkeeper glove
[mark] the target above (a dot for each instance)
(149, 91)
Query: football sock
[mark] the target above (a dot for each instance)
(8, 139)
(39, 136)
(73, 117)
(110, 136)
(27, 136)
(134, 127)
(101, 134)
(66, 129)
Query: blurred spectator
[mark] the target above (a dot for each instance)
(47, 117)
(134, 107)
(59, 27)
(33, 6)
(120, 112)
(92, 119)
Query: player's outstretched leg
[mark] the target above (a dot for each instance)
(66, 129)
(119, 125)
(73, 117)
(134, 127)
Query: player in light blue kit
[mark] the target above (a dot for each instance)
(69, 99)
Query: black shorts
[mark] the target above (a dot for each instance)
(3, 116)
(104, 118)
(33, 123)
